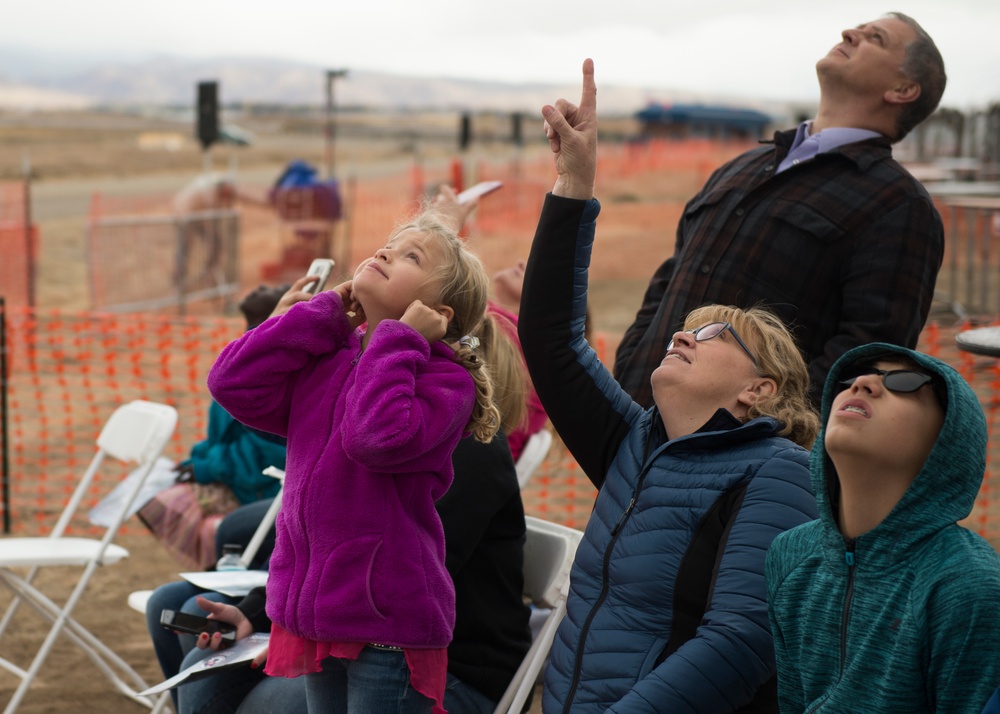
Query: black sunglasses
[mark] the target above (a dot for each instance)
(714, 329)
(903, 381)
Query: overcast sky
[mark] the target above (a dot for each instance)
(763, 49)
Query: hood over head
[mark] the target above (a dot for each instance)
(945, 489)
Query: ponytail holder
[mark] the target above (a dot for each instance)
(470, 341)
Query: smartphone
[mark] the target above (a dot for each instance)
(195, 625)
(322, 267)
(480, 189)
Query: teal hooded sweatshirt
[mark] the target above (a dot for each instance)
(906, 617)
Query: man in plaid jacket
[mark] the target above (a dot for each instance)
(820, 225)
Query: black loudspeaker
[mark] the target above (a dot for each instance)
(208, 113)
(465, 132)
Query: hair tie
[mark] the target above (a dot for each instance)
(470, 341)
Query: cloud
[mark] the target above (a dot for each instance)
(752, 48)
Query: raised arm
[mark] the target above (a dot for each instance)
(587, 407)
(253, 377)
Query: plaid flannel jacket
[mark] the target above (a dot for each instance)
(844, 248)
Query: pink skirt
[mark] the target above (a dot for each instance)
(289, 655)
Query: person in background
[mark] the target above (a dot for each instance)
(885, 604)
(222, 472)
(666, 609)
(231, 453)
(200, 208)
(822, 225)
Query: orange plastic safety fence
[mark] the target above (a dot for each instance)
(69, 371)
(983, 374)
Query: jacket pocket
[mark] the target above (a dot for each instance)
(346, 581)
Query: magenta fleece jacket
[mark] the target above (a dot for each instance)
(360, 548)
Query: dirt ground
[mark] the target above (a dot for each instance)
(76, 156)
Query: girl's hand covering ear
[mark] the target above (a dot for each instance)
(431, 323)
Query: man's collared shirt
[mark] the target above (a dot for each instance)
(805, 145)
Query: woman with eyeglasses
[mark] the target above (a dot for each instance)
(666, 609)
(885, 604)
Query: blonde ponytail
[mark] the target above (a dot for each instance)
(497, 369)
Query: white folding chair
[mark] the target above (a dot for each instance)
(136, 432)
(548, 558)
(532, 455)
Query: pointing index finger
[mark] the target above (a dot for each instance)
(588, 100)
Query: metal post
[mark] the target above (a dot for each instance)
(3, 416)
(29, 244)
(331, 76)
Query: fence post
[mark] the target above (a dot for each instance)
(29, 243)
(3, 416)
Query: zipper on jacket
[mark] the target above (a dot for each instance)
(605, 586)
(848, 596)
(623, 516)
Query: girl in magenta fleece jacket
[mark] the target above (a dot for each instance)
(358, 592)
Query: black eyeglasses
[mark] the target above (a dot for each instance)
(714, 329)
(903, 381)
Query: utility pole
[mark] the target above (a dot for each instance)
(331, 76)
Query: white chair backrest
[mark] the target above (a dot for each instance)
(135, 432)
(532, 455)
(138, 431)
(548, 558)
(250, 552)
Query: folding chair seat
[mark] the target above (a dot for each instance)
(548, 557)
(136, 432)
(532, 455)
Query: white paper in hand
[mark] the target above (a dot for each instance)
(241, 653)
(234, 583)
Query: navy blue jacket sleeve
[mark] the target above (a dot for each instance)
(586, 405)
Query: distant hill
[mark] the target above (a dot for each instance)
(30, 81)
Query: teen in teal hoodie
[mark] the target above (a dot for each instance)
(885, 603)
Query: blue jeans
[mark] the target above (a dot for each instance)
(246, 691)
(460, 698)
(275, 695)
(222, 692)
(378, 681)
(171, 647)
